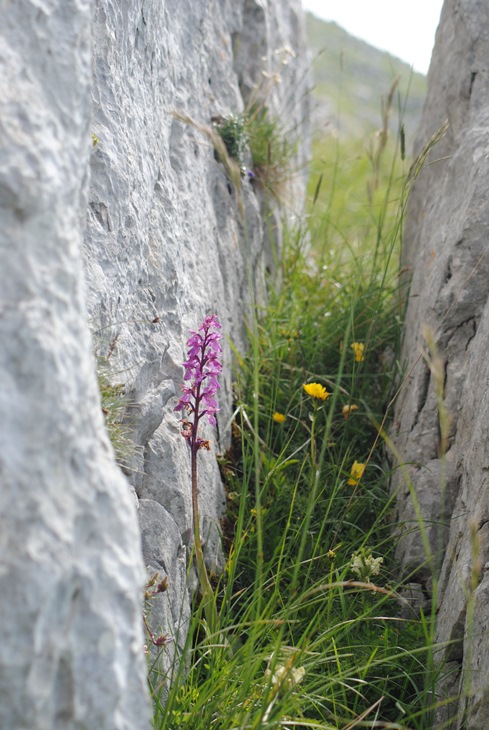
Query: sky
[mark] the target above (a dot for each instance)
(405, 29)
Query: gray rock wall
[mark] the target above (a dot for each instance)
(169, 237)
(446, 246)
(71, 574)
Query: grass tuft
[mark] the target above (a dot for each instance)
(116, 407)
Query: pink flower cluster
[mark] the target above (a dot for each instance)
(202, 368)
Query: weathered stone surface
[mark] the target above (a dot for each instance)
(446, 247)
(165, 554)
(71, 572)
(169, 238)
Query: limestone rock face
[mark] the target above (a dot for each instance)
(71, 573)
(94, 151)
(171, 238)
(446, 247)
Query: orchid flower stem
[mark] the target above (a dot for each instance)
(208, 601)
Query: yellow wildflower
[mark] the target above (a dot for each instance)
(356, 472)
(315, 390)
(358, 348)
(279, 417)
(346, 410)
(331, 554)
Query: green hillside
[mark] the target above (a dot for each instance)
(351, 78)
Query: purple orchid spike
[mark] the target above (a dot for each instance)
(202, 368)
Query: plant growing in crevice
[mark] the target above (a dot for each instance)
(234, 133)
(115, 407)
(272, 150)
(202, 368)
(220, 150)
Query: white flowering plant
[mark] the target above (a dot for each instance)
(364, 565)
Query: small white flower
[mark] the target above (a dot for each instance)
(364, 565)
(298, 674)
(286, 677)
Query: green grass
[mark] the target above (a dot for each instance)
(116, 407)
(303, 638)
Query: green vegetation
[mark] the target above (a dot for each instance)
(116, 408)
(270, 149)
(233, 132)
(312, 631)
